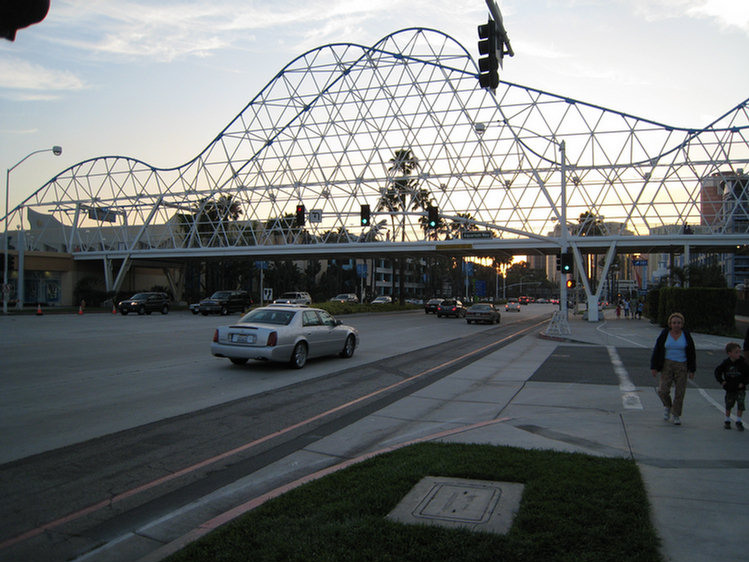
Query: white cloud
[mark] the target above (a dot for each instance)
(726, 13)
(18, 74)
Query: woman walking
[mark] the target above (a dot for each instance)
(675, 358)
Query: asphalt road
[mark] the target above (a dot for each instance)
(107, 422)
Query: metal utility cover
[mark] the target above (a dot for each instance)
(479, 505)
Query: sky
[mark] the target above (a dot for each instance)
(157, 81)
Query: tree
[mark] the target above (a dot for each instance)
(402, 195)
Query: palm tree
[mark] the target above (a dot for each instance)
(402, 195)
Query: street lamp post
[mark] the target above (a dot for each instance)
(56, 150)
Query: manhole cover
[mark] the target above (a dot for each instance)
(479, 505)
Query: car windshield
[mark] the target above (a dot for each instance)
(269, 316)
(480, 307)
(220, 295)
(139, 296)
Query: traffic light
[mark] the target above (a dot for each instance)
(17, 14)
(571, 283)
(365, 215)
(488, 63)
(568, 262)
(559, 263)
(433, 216)
(300, 215)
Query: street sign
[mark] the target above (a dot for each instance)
(476, 234)
(261, 264)
(639, 262)
(315, 216)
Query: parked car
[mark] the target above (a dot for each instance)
(287, 333)
(145, 303)
(512, 306)
(382, 300)
(483, 312)
(345, 297)
(294, 297)
(223, 302)
(524, 300)
(431, 306)
(451, 307)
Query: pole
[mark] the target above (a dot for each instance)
(563, 234)
(56, 150)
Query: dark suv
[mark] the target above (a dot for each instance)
(145, 303)
(224, 302)
(451, 307)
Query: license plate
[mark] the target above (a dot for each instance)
(242, 338)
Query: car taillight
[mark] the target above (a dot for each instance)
(215, 336)
(272, 339)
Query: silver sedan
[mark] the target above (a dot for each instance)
(287, 333)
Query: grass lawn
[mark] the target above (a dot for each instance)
(574, 508)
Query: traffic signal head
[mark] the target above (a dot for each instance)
(300, 215)
(365, 215)
(568, 262)
(433, 216)
(571, 283)
(488, 62)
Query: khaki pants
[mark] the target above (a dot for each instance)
(673, 373)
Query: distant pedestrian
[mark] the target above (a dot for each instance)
(640, 307)
(618, 309)
(626, 308)
(675, 358)
(733, 376)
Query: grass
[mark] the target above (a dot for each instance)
(574, 508)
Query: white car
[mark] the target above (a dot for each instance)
(512, 306)
(286, 333)
(382, 300)
(294, 297)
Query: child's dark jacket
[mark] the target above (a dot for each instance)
(733, 373)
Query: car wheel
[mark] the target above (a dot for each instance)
(238, 360)
(468, 321)
(142, 310)
(195, 311)
(299, 355)
(165, 309)
(348, 347)
(224, 311)
(123, 312)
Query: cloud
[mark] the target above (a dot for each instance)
(28, 79)
(728, 14)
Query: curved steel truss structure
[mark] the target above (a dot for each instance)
(397, 126)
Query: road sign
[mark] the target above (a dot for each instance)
(639, 262)
(476, 234)
(261, 264)
(315, 216)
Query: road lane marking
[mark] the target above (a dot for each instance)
(630, 399)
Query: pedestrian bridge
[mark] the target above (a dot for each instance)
(399, 126)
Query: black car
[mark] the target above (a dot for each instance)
(451, 307)
(431, 306)
(224, 302)
(145, 303)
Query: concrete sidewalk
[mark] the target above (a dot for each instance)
(695, 474)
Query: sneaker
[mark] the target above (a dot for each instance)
(740, 426)
(666, 414)
(727, 424)
(677, 421)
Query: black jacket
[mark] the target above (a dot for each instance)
(659, 352)
(733, 374)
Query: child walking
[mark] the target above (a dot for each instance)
(733, 376)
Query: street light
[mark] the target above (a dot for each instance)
(56, 150)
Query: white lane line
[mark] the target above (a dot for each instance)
(630, 399)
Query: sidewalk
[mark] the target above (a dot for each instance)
(695, 475)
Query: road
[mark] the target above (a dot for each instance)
(109, 422)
